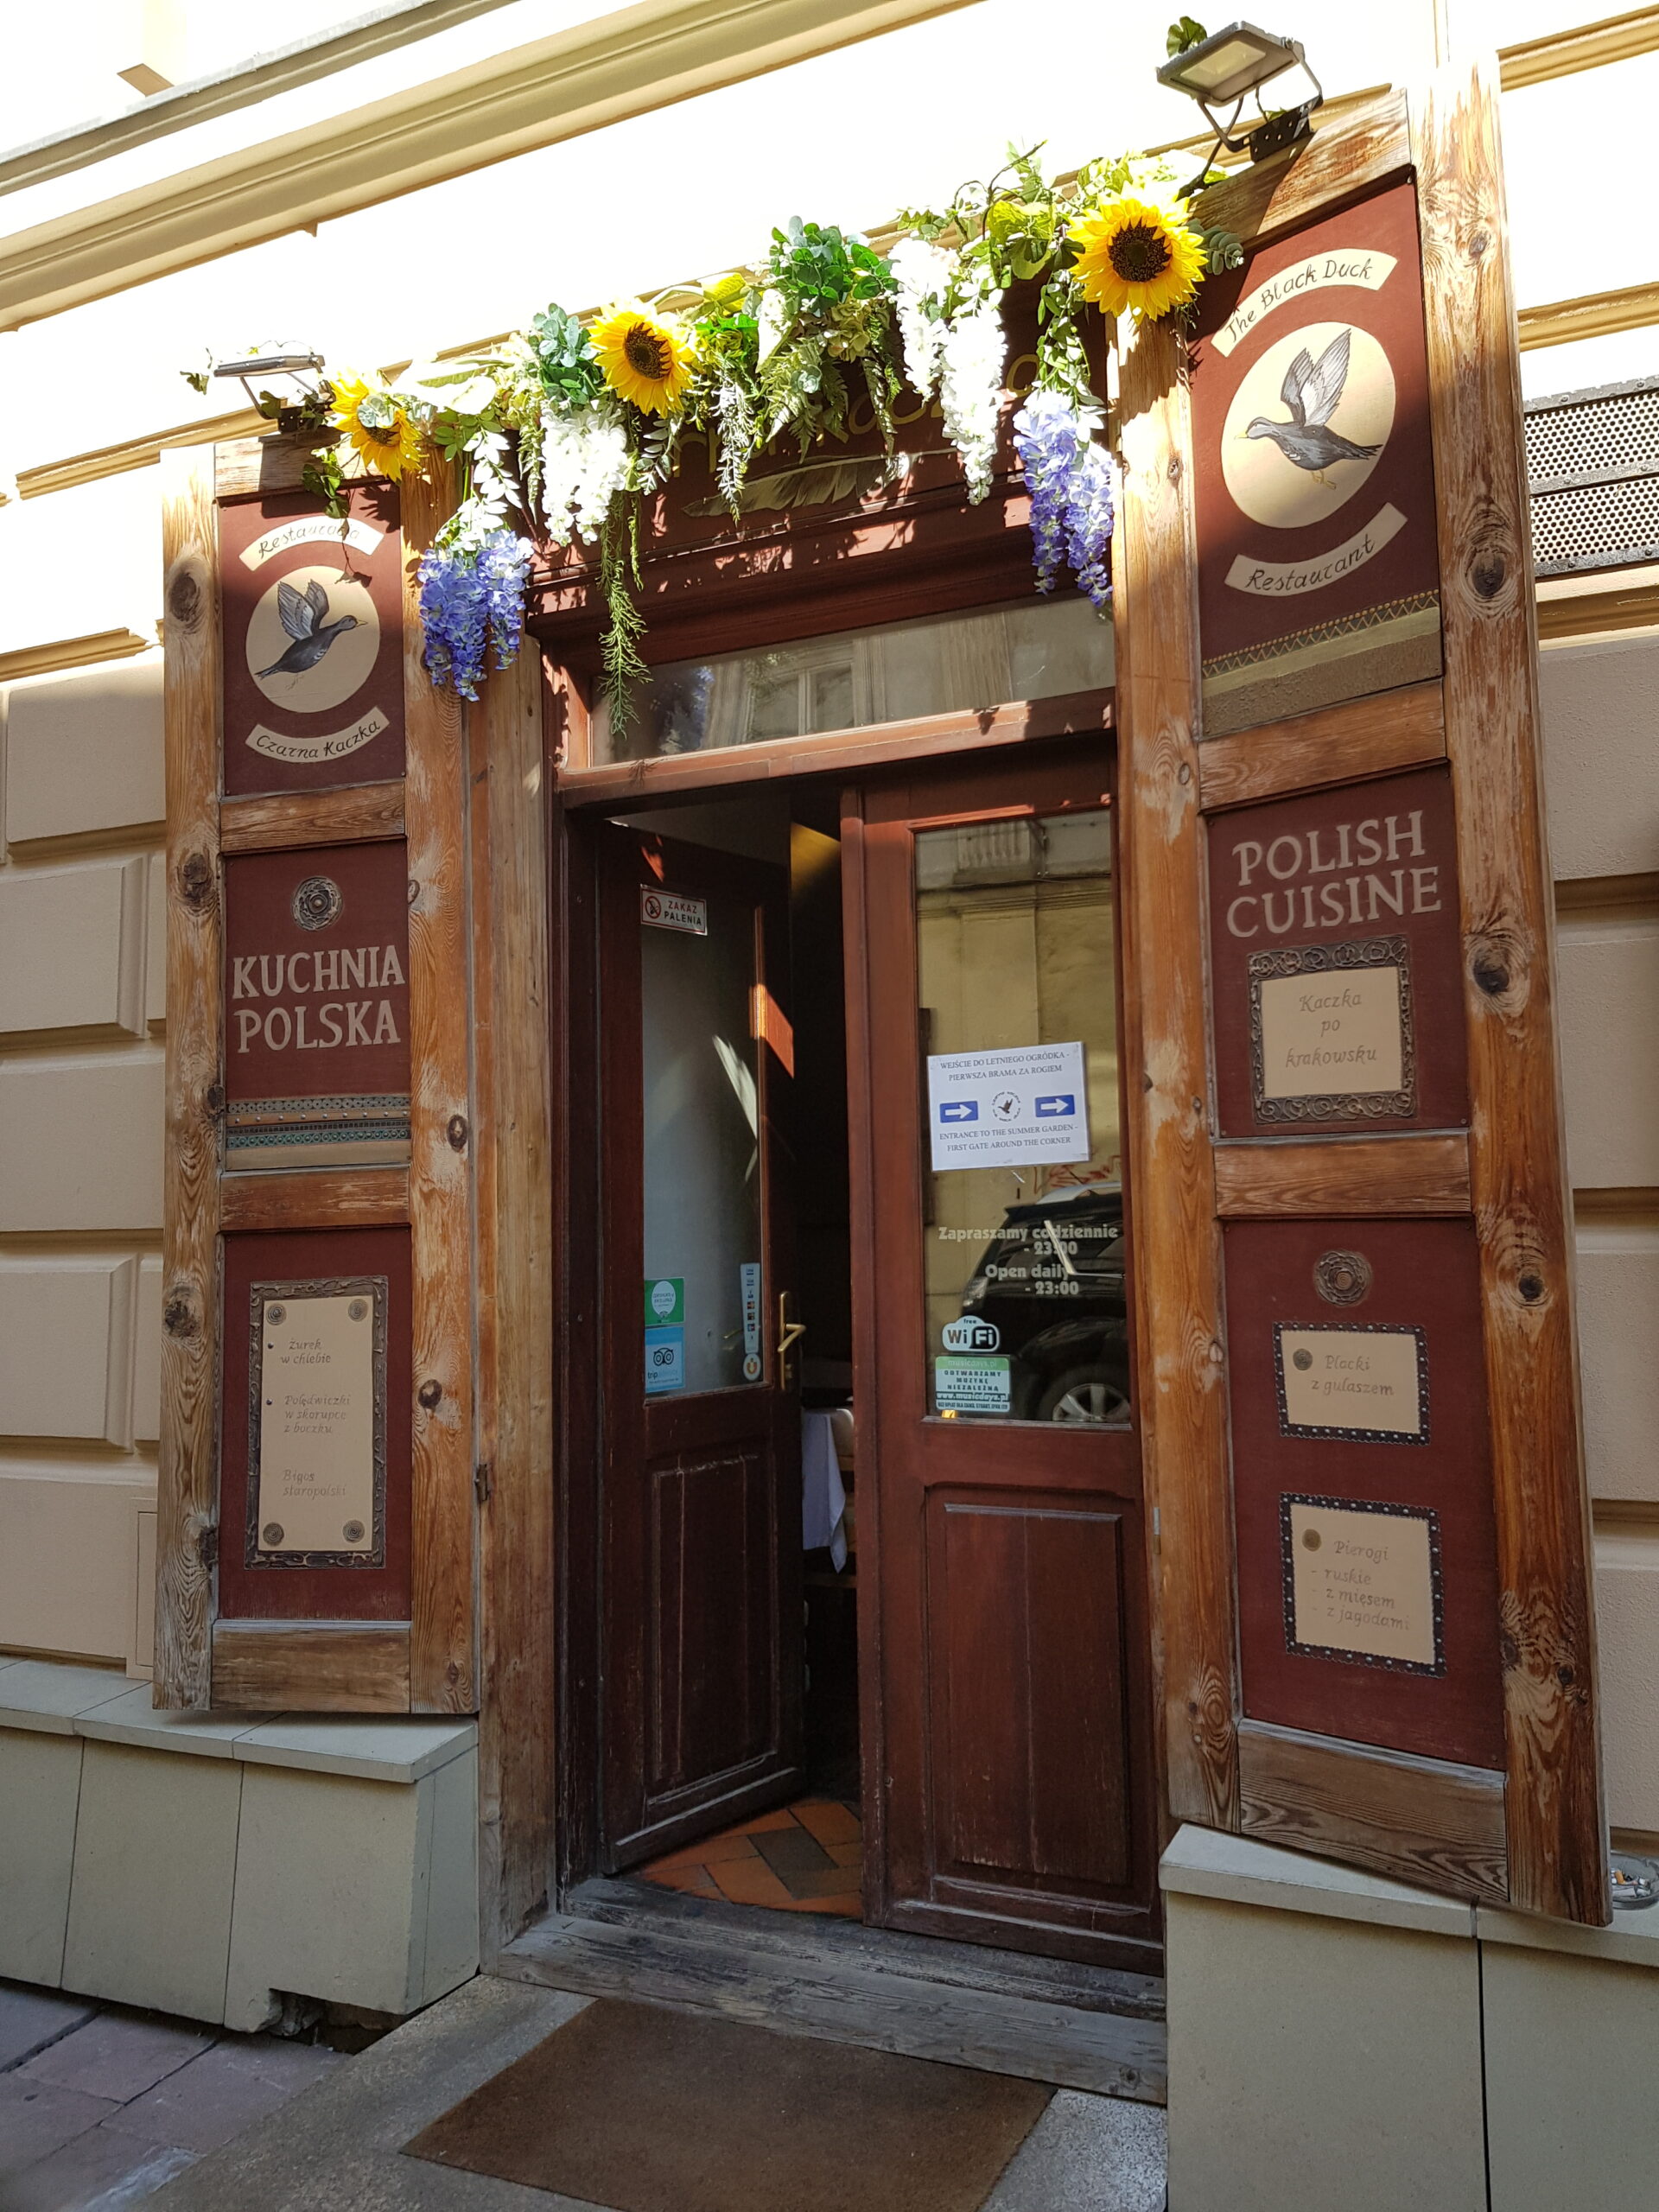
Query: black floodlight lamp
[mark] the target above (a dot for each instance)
(1230, 65)
(300, 369)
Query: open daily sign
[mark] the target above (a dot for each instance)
(1020, 1106)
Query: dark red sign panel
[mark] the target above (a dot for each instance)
(1335, 952)
(316, 1007)
(1319, 576)
(315, 1420)
(1362, 1487)
(312, 614)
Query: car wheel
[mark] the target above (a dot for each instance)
(1089, 1395)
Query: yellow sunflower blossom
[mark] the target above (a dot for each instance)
(1136, 258)
(377, 426)
(645, 357)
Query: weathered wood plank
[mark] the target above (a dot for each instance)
(283, 819)
(516, 1263)
(308, 1667)
(442, 1663)
(1335, 744)
(814, 1992)
(1557, 1833)
(271, 463)
(1345, 1176)
(315, 1198)
(1416, 1820)
(1177, 1272)
(186, 1489)
(1341, 160)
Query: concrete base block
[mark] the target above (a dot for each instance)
(1316, 2062)
(150, 1910)
(40, 1787)
(1572, 2113)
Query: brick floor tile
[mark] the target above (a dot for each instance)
(783, 1818)
(750, 1881)
(119, 2055)
(847, 1855)
(203, 2105)
(790, 1852)
(833, 1882)
(36, 2119)
(709, 1853)
(94, 2169)
(830, 1822)
(31, 2019)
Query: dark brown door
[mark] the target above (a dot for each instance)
(1005, 1659)
(701, 1698)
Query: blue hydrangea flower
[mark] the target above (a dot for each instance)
(1069, 481)
(473, 597)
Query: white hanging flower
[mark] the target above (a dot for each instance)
(584, 463)
(970, 388)
(922, 274)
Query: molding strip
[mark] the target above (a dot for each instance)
(1590, 46)
(630, 63)
(1597, 315)
(72, 652)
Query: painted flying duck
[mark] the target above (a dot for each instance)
(304, 616)
(1311, 391)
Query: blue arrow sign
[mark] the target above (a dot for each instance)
(1063, 1103)
(960, 1109)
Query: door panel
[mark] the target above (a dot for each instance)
(1009, 1631)
(701, 1510)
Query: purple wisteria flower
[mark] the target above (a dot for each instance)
(1069, 481)
(473, 597)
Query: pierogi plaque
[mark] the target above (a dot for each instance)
(1319, 575)
(312, 609)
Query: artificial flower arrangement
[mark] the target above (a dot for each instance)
(581, 422)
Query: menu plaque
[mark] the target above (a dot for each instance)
(1369, 1385)
(1331, 1031)
(317, 1423)
(1363, 1581)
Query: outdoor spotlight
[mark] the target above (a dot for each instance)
(300, 369)
(1229, 65)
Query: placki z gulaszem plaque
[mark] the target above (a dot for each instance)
(317, 1441)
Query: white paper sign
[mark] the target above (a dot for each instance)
(1023, 1106)
(672, 910)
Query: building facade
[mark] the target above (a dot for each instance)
(665, 1005)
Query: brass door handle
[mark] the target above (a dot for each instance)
(789, 1333)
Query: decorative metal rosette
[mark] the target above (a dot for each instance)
(1342, 1278)
(317, 902)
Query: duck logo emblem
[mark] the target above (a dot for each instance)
(1307, 424)
(304, 615)
(312, 638)
(1311, 391)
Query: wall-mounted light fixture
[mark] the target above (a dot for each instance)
(295, 367)
(1229, 65)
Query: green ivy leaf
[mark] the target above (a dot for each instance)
(1184, 33)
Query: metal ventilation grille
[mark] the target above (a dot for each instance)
(1593, 464)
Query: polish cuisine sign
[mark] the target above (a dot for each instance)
(1318, 570)
(314, 643)
(316, 1007)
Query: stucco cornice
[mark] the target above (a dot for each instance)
(639, 59)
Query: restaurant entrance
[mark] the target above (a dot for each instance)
(862, 1482)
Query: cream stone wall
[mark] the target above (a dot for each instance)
(1601, 740)
(82, 978)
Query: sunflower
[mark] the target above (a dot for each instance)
(1134, 255)
(645, 358)
(377, 427)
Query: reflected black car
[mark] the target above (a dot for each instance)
(1052, 1283)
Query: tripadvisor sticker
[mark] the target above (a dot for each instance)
(966, 1385)
(665, 1301)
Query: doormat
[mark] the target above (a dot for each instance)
(640, 2109)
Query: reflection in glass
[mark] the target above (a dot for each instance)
(1029, 649)
(701, 1138)
(1024, 1266)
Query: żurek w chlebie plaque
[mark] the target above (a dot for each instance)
(313, 614)
(316, 1007)
(1319, 576)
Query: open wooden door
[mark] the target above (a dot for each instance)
(701, 1720)
(1005, 1665)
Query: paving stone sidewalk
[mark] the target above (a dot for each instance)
(100, 2106)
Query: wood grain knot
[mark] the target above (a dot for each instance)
(456, 1133)
(413, 892)
(178, 1318)
(1491, 971)
(195, 878)
(1488, 574)
(186, 599)
(1479, 245)
(1173, 472)
(430, 1393)
(454, 1673)
(213, 1099)
(1531, 1288)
